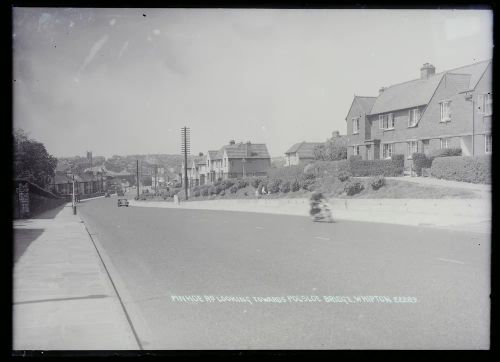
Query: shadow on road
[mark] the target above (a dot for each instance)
(22, 240)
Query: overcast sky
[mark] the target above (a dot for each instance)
(117, 82)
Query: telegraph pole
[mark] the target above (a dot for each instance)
(137, 179)
(185, 132)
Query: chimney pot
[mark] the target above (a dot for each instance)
(381, 90)
(231, 142)
(427, 70)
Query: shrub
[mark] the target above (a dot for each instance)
(420, 161)
(285, 186)
(307, 184)
(241, 184)
(255, 181)
(196, 192)
(226, 184)
(234, 189)
(212, 190)
(343, 175)
(353, 187)
(295, 185)
(222, 193)
(204, 190)
(274, 185)
(463, 168)
(377, 182)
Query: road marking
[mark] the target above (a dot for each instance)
(319, 237)
(451, 261)
(259, 227)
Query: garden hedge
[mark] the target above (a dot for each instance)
(388, 168)
(475, 169)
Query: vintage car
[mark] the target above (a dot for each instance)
(122, 202)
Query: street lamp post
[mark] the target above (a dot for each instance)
(469, 97)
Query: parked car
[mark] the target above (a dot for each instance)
(122, 202)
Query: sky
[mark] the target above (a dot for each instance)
(124, 81)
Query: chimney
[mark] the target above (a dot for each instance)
(381, 90)
(231, 142)
(335, 134)
(200, 154)
(249, 149)
(427, 70)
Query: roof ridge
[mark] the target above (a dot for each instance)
(436, 74)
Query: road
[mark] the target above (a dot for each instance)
(162, 255)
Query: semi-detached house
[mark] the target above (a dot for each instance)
(451, 109)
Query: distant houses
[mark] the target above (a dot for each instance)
(234, 160)
(301, 153)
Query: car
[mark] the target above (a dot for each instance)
(122, 202)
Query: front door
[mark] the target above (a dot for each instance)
(368, 155)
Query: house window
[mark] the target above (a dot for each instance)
(445, 143)
(445, 111)
(413, 117)
(355, 125)
(487, 143)
(355, 150)
(387, 150)
(386, 121)
(412, 148)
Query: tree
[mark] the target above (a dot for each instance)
(333, 149)
(31, 160)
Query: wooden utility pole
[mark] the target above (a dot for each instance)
(137, 178)
(185, 149)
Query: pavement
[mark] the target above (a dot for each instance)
(63, 297)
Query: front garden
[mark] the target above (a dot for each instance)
(353, 178)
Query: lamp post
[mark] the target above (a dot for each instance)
(469, 97)
(73, 204)
(243, 164)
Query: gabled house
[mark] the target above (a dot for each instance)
(301, 153)
(210, 166)
(438, 110)
(237, 160)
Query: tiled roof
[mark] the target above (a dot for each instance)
(419, 92)
(304, 149)
(366, 103)
(212, 154)
(246, 150)
(200, 160)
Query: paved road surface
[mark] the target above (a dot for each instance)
(161, 253)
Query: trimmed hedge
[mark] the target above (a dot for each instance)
(388, 168)
(288, 173)
(327, 168)
(446, 152)
(420, 161)
(463, 168)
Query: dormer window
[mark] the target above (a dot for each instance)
(445, 111)
(386, 121)
(413, 117)
(355, 125)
